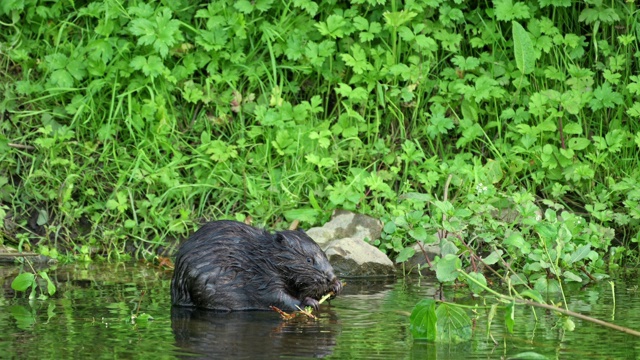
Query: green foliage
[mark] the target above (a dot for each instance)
(445, 323)
(523, 48)
(27, 280)
(125, 124)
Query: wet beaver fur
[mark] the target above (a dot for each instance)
(227, 265)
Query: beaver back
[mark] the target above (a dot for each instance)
(228, 265)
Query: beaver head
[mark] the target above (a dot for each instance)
(304, 266)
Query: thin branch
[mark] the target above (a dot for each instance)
(20, 146)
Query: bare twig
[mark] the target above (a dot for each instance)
(580, 316)
(20, 146)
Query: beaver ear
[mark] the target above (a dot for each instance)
(280, 238)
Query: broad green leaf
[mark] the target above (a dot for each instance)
(493, 170)
(405, 254)
(546, 231)
(578, 143)
(423, 320)
(518, 279)
(61, 79)
(533, 295)
(492, 314)
(447, 268)
(523, 49)
(311, 7)
(580, 253)
(43, 217)
(571, 276)
(51, 288)
(493, 258)
(448, 248)
(572, 128)
(547, 286)
(509, 317)
(469, 110)
(389, 227)
(244, 6)
(24, 318)
(7, 6)
(333, 27)
(508, 10)
(23, 281)
(473, 285)
(419, 233)
(453, 325)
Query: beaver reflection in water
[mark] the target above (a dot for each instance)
(227, 265)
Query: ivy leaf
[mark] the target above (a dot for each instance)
(333, 27)
(308, 215)
(605, 97)
(634, 86)
(162, 34)
(469, 134)
(100, 50)
(506, 10)
(56, 61)
(311, 7)
(555, 3)
(466, 64)
(634, 110)
(439, 123)
(77, 69)
(244, 6)
(168, 32)
(361, 23)
(144, 29)
(397, 18)
(358, 61)
(599, 13)
(150, 67)
(7, 6)
(61, 79)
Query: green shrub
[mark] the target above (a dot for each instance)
(126, 123)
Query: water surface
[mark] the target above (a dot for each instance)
(99, 310)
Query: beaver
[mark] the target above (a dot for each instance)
(227, 265)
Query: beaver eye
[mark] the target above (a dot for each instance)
(310, 260)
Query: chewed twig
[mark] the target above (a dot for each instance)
(307, 311)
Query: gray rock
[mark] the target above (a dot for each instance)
(351, 257)
(418, 259)
(345, 224)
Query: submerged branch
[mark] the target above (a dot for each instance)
(580, 316)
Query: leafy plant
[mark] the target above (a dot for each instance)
(497, 130)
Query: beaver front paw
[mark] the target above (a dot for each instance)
(309, 301)
(336, 288)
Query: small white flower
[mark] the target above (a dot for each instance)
(480, 188)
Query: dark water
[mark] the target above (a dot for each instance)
(91, 317)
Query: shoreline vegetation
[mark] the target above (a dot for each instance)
(125, 124)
